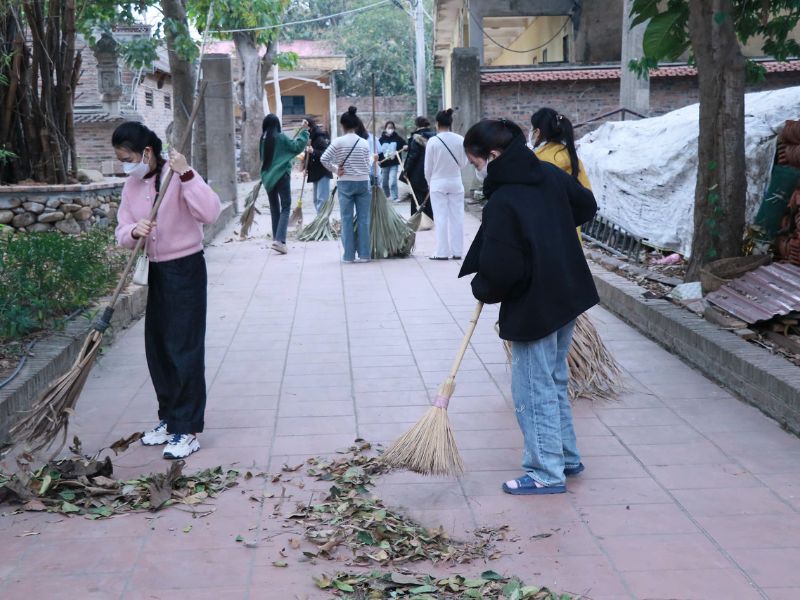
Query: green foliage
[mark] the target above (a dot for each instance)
(45, 276)
(666, 37)
(240, 14)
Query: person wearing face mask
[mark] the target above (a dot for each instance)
(414, 171)
(527, 257)
(391, 144)
(553, 140)
(175, 319)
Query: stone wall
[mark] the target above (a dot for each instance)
(586, 99)
(66, 208)
(400, 109)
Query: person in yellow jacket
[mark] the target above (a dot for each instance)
(553, 140)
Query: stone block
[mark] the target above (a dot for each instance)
(51, 217)
(6, 217)
(23, 220)
(90, 176)
(40, 227)
(91, 201)
(83, 214)
(69, 225)
(71, 207)
(33, 207)
(53, 203)
(6, 203)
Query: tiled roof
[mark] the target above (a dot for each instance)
(535, 74)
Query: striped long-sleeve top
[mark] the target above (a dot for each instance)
(356, 165)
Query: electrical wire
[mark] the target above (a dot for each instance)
(539, 47)
(304, 21)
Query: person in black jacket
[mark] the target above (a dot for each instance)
(414, 171)
(318, 142)
(391, 144)
(527, 257)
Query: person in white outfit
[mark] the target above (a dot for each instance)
(444, 160)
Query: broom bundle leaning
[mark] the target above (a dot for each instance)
(296, 218)
(419, 221)
(429, 447)
(320, 229)
(594, 374)
(50, 413)
(390, 234)
(249, 212)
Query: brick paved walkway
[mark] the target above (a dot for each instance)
(688, 493)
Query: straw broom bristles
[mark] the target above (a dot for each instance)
(429, 447)
(320, 229)
(594, 374)
(296, 218)
(249, 212)
(390, 234)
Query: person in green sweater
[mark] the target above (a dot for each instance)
(277, 152)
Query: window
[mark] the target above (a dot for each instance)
(294, 105)
(167, 101)
(544, 55)
(148, 98)
(565, 48)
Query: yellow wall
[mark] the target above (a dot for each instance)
(317, 104)
(541, 30)
(753, 47)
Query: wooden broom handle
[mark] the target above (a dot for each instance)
(413, 195)
(465, 343)
(105, 319)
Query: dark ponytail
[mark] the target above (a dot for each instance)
(444, 118)
(491, 134)
(555, 127)
(135, 137)
(270, 128)
(350, 120)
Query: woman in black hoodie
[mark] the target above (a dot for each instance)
(318, 142)
(527, 257)
(414, 168)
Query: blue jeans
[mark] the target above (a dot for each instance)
(539, 376)
(355, 195)
(322, 190)
(389, 181)
(280, 204)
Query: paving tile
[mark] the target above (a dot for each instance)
(594, 492)
(785, 593)
(203, 568)
(770, 567)
(91, 586)
(613, 467)
(637, 519)
(663, 552)
(731, 501)
(689, 477)
(700, 452)
(691, 584)
(638, 417)
(658, 434)
(754, 531)
(311, 426)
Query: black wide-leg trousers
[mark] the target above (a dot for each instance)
(174, 340)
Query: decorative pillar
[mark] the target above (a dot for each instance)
(108, 76)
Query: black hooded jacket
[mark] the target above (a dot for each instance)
(526, 254)
(319, 143)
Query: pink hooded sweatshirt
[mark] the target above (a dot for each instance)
(188, 204)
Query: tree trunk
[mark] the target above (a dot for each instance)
(183, 77)
(252, 105)
(720, 193)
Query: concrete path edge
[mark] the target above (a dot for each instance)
(768, 382)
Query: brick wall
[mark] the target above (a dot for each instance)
(158, 116)
(93, 141)
(583, 100)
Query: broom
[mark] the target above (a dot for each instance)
(594, 374)
(320, 229)
(50, 413)
(429, 447)
(296, 218)
(419, 221)
(249, 212)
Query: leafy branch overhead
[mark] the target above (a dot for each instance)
(667, 39)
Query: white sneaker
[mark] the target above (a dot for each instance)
(280, 247)
(157, 436)
(181, 445)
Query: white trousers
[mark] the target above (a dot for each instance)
(448, 218)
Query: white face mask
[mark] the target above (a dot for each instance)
(483, 172)
(390, 131)
(139, 169)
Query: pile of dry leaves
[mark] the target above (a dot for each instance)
(82, 485)
(378, 585)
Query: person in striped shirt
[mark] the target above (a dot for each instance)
(349, 157)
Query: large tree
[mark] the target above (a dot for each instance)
(713, 31)
(247, 15)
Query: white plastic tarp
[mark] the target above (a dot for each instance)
(643, 173)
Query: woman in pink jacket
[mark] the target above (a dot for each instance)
(175, 321)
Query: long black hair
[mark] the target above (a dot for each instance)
(350, 120)
(490, 134)
(444, 118)
(555, 127)
(270, 128)
(135, 137)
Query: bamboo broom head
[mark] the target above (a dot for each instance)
(429, 447)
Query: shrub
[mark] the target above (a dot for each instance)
(46, 276)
